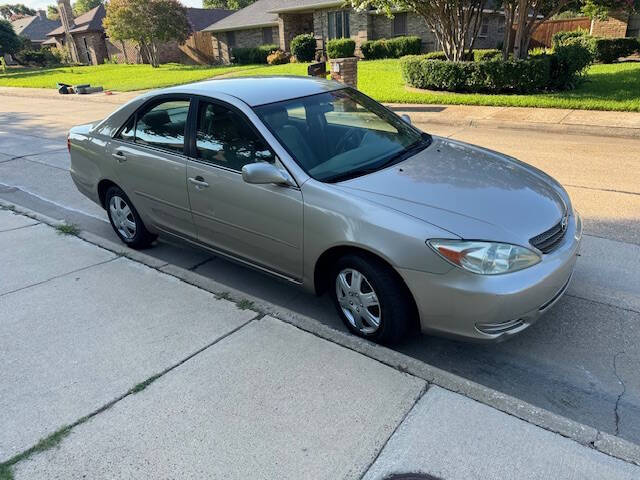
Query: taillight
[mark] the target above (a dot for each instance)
(69, 144)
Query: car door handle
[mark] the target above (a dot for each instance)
(121, 157)
(198, 182)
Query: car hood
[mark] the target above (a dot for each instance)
(469, 191)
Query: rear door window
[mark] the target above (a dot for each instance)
(162, 126)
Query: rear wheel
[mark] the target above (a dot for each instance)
(125, 220)
(371, 300)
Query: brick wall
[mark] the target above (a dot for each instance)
(291, 25)
(495, 31)
(250, 37)
(125, 52)
(383, 28)
(614, 26)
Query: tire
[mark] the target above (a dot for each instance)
(390, 303)
(125, 220)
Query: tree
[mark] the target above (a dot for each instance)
(52, 12)
(10, 11)
(455, 23)
(83, 6)
(148, 23)
(9, 41)
(227, 4)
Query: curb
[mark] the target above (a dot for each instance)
(583, 434)
(561, 128)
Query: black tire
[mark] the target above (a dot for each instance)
(138, 239)
(396, 309)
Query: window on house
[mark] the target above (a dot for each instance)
(267, 36)
(400, 24)
(484, 28)
(338, 24)
(231, 39)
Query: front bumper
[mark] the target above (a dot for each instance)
(489, 308)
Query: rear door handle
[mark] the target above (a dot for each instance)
(198, 182)
(121, 157)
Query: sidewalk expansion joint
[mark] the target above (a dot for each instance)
(624, 390)
(56, 437)
(20, 228)
(404, 417)
(55, 277)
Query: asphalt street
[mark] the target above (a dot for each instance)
(582, 360)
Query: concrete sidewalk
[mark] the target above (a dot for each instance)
(127, 372)
(556, 120)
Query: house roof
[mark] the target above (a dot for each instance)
(87, 22)
(200, 18)
(255, 15)
(302, 5)
(35, 27)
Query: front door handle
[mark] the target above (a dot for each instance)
(121, 157)
(198, 182)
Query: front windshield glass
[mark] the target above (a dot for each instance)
(341, 134)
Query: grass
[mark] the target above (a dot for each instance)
(606, 87)
(114, 77)
(68, 229)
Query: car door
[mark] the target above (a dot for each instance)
(261, 224)
(151, 164)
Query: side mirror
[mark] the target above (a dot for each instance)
(406, 118)
(262, 173)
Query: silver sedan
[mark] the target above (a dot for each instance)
(319, 185)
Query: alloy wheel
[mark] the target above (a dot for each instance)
(358, 301)
(122, 217)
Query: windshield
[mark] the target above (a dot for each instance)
(341, 134)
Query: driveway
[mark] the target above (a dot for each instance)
(582, 360)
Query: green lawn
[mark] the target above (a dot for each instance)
(607, 87)
(113, 77)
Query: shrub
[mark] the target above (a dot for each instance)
(558, 38)
(341, 48)
(278, 58)
(560, 70)
(434, 56)
(304, 47)
(391, 48)
(486, 54)
(569, 61)
(609, 50)
(249, 55)
(40, 58)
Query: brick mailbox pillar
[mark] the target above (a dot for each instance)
(345, 70)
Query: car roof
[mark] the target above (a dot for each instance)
(256, 91)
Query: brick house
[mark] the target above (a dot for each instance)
(86, 41)
(278, 21)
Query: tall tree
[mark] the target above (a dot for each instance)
(9, 10)
(52, 12)
(148, 23)
(9, 41)
(455, 23)
(227, 4)
(83, 6)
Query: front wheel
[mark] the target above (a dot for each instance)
(371, 299)
(125, 220)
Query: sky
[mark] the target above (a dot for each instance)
(42, 4)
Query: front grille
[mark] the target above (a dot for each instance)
(547, 241)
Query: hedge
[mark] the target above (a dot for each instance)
(250, 55)
(391, 48)
(475, 55)
(558, 71)
(341, 48)
(606, 50)
(304, 47)
(609, 50)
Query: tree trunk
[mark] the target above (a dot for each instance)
(522, 19)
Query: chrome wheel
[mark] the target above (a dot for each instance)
(122, 217)
(358, 301)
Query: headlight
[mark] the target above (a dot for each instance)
(485, 258)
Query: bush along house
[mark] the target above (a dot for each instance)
(277, 22)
